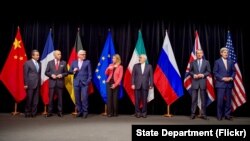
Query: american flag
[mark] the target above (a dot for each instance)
(188, 79)
(239, 95)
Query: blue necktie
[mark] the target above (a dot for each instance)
(37, 66)
(199, 65)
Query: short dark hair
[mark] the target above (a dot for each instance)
(33, 51)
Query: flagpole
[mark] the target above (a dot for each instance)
(168, 112)
(105, 110)
(75, 112)
(45, 110)
(15, 110)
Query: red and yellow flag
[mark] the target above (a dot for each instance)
(12, 72)
(69, 79)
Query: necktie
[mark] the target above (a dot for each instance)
(57, 65)
(199, 65)
(37, 66)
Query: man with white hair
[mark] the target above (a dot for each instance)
(142, 81)
(81, 69)
(224, 72)
(56, 70)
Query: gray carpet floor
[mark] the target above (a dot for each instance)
(94, 128)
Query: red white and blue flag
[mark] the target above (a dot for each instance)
(239, 94)
(167, 78)
(188, 79)
(46, 57)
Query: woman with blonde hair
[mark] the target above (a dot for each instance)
(114, 73)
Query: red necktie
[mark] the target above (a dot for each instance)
(57, 65)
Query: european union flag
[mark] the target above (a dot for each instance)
(105, 59)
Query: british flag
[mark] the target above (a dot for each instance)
(188, 79)
(239, 95)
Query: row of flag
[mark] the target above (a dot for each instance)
(167, 77)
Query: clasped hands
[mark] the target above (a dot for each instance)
(197, 76)
(227, 79)
(56, 76)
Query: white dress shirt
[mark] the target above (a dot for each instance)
(225, 62)
(142, 67)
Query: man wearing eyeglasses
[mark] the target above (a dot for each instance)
(81, 69)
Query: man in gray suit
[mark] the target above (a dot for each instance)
(56, 71)
(32, 81)
(142, 81)
(199, 70)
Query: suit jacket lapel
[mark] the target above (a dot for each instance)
(202, 64)
(140, 68)
(224, 64)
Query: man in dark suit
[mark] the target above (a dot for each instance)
(32, 81)
(142, 81)
(224, 72)
(56, 71)
(81, 69)
(199, 70)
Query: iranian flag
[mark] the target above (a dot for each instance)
(139, 49)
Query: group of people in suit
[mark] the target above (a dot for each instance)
(141, 82)
(224, 73)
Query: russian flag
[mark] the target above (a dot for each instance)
(167, 78)
(46, 57)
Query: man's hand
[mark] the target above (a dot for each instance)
(25, 87)
(53, 76)
(112, 86)
(59, 76)
(200, 75)
(196, 76)
(227, 79)
(75, 70)
(133, 87)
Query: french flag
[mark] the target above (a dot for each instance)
(167, 78)
(46, 57)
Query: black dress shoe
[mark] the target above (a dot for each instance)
(109, 115)
(33, 115)
(79, 115)
(27, 115)
(49, 115)
(85, 116)
(228, 118)
(192, 117)
(219, 118)
(137, 116)
(144, 116)
(59, 114)
(204, 117)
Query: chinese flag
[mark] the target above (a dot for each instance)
(12, 72)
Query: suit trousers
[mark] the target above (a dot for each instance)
(224, 109)
(59, 92)
(195, 101)
(112, 101)
(32, 101)
(81, 97)
(141, 96)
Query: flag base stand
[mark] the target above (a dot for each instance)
(168, 113)
(105, 111)
(75, 112)
(45, 111)
(15, 111)
(199, 116)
